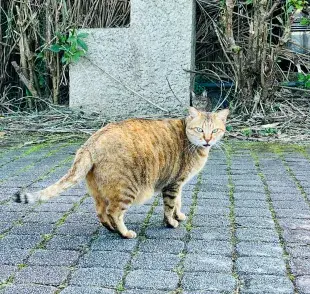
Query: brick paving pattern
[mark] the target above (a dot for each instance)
(247, 231)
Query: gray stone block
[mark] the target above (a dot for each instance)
(13, 256)
(155, 261)
(43, 217)
(213, 202)
(303, 284)
(251, 204)
(98, 277)
(301, 237)
(87, 290)
(255, 222)
(212, 211)
(208, 263)
(261, 265)
(259, 249)
(298, 205)
(107, 244)
(6, 271)
(213, 195)
(299, 251)
(19, 241)
(165, 233)
(54, 257)
(107, 259)
(217, 282)
(168, 246)
(211, 247)
(267, 284)
(9, 216)
(29, 289)
(58, 207)
(249, 195)
(293, 213)
(262, 234)
(300, 266)
(32, 228)
(210, 234)
(254, 212)
(156, 46)
(143, 291)
(152, 279)
(53, 275)
(77, 229)
(68, 242)
(210, 221)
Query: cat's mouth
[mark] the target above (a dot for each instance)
(206, 145)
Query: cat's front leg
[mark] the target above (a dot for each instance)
(172, 204)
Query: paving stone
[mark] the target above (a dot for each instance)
(107, 259)
(155, 261)
(300, 266)
(250, 196)
(255, 222)
(32, 228)
(295, 224)
(68, 242)
(246, 203)
(50, 206)
(29, 289)
(12, 256)
(213, 202)
(52, 275)
(106, 244)
(143, 291)
(294, 213)
(301, 237)
(6, 271)
(10, 217)
(295, 196)
(210, 234)
(13, 206)
(259, 249)
(210, 221)
(155, 279)
(98, 277)
(168, 246)
(299, 251)
(261, 234)
(210, 210)
(165, 233)
(212, 247)
(207, 262)
(261, 265)
(205, 281)
(87, 290)
(43, 217)
(19, 241)
(259, 212)
(54, 257)
(303, 284)
(267, 284)
(77, 229)
(213, 195)
(296, 205)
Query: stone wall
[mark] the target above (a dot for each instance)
(158, 45)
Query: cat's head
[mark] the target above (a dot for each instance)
(205, 129)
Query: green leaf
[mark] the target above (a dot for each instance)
(305, 21)
(82, 35)
(290, 9)
(307, 84)
(301, 77)
(82, 44)
(55, 48)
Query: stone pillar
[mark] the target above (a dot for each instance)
(158, 45)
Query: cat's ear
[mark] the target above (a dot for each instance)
(222, 114)
(205, 93)
(193, 95)
(193, 112)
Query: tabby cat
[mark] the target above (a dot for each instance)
(125, 163)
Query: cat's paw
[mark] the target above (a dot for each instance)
(130, 235)
(172, 223)
(181, 216)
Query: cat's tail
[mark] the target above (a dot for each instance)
(82, 164)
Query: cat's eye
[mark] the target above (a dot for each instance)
(215, 131)
(199, 130)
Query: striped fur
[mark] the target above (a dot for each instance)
(125, 163)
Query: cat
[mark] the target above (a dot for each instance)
(125, 163)
(202, 102)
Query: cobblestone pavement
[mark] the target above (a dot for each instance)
(248, 229)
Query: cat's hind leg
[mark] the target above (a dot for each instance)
(100, 201)
(116, 210)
